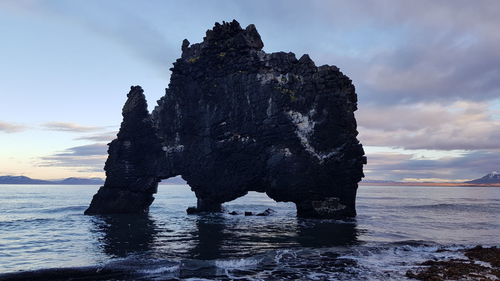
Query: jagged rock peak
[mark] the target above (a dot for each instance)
(136, 117)
(131, 165)
(136, 103)
(225, 36)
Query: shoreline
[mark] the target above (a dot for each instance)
(447, 184)
(480, 263)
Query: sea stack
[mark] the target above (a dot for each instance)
(236, 119)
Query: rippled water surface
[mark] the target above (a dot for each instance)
(44, 227)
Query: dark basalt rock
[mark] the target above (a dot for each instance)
(131, 168)
(481, 264)
(236, 119)
(266, 213)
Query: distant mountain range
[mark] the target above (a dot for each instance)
(73, 181)
(67, 181)
(491, 179)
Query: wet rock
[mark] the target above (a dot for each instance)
(248, 214)
(461, 269)
(236, 119)
(131, 167)
(234, 213)
(267, 212)
(191, 210)
(490, 255)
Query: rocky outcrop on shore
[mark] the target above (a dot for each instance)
(236, 119)
(481, 263)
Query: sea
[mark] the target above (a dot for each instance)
(45, 236)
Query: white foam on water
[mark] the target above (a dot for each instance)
(159, 270)
(237, 263)
(284, 254)
(392, 263)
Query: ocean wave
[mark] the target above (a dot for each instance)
(237, 263)
(376, 261)
(163, 269)
(458, 207)
(66, 209)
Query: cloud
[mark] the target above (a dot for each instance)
(395, 51)
(395, 166)
(96, 149)
(69, 127)
(89, 158)
(11, 128)
(107, 136)
(409, 51)
(460, 125)
(434, 70)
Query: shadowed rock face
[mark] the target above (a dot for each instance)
(236, 119)
(131, 168)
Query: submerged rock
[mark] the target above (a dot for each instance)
(266, 213)
(236, 119)
(191, 210)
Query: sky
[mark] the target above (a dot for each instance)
(426, 74)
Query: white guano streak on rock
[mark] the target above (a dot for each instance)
(305, 128)
(269, 107)
(265, 78)
(238, 137)
(286, 151)
(263, 57)
(282, 79)
(174, 148)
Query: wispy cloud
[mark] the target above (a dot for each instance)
(107, 136)
(96, 149)
(409, 51)
(11, 128)
(89, 158)
(396, 166)
(70, 127)
(459, 125)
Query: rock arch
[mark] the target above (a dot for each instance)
(236, 119)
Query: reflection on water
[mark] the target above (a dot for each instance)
(208, 236)
(213, 236)
(317, 233)
(123, 235)
(44, 226)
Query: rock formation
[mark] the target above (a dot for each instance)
(236, 119)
